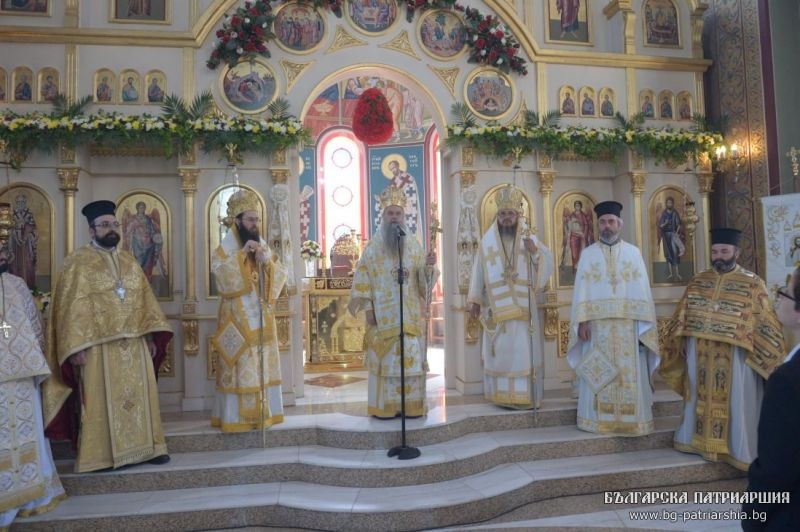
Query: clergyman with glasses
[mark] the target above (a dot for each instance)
(246, 341)
(722, 343)
(107, 337)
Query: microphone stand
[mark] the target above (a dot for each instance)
(402, 451)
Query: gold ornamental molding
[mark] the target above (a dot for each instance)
(563, 338)
(279, 157)
(545, 161)
(279, 176)
(188, 180)
(448, 77)
(167, 368)
(68, 180)
(293, 71)
(550, 323)
(472, 330)
(467, 156)
(67, 155)
(705, 181)
(191, 344)
(638, 180)
(189, 158)
(283, 326)
(342, 39)
(401, 43)
(468, 178)
(615, 6)
(126, 151)
(546, 180)
(519, 119)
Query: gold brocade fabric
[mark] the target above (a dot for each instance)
(87, 313)
(375, 288)
(731, 308)
(239, 335)
(712, 411)
(617, 402)
(120, 418)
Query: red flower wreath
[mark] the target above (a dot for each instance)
(372, 119)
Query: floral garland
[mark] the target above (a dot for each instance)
(244, 34)
(24, 134)
(587, 143)
(310, 250)
(491, 42)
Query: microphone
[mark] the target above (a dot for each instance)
(398, 231)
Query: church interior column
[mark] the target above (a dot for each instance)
(287, 306)
(469, 370)
(68, 183)
(705, 180)
(637, 189)
(194, 378)
(550, 321)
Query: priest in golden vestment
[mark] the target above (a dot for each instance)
(723, 341)
(29, 483)
(376, 291)
(613, 340)
(248, 363)
(107, 337)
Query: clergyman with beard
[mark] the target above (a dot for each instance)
(723, 341)
(613, 339)
(376, 291)
(509, 268)
(248, 372)
(107, 337)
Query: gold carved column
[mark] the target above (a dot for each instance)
(705, 181)
(191, 341)
(472, 326)
(638, 180)
(546, 180)
(68, 183)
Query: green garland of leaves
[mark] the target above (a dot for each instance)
(177, 130)
(544, 134)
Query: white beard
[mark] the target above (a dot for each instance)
(390, 237)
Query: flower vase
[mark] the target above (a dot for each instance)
(311, 267)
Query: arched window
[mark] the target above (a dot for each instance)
(340, 181)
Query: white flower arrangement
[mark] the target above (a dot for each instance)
(310, 250)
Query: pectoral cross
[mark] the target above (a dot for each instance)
(5, 328)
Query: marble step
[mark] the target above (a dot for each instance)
(469, 499)
(356, 432)
(463, 456)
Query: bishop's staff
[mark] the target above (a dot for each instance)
(430, 279)
(262, 395)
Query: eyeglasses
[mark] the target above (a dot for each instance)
(107, 225)
(782, 292)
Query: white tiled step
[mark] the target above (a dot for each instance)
(358, 432)
(302, 504)
(462, 456)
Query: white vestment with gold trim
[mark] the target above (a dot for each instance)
(238, 403)
(612, 293)
(29, 483)
(375, 288)
(503, 280)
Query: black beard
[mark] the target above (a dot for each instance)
(510, 230)
(246, 234)
(110, 239)
(722, 266)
